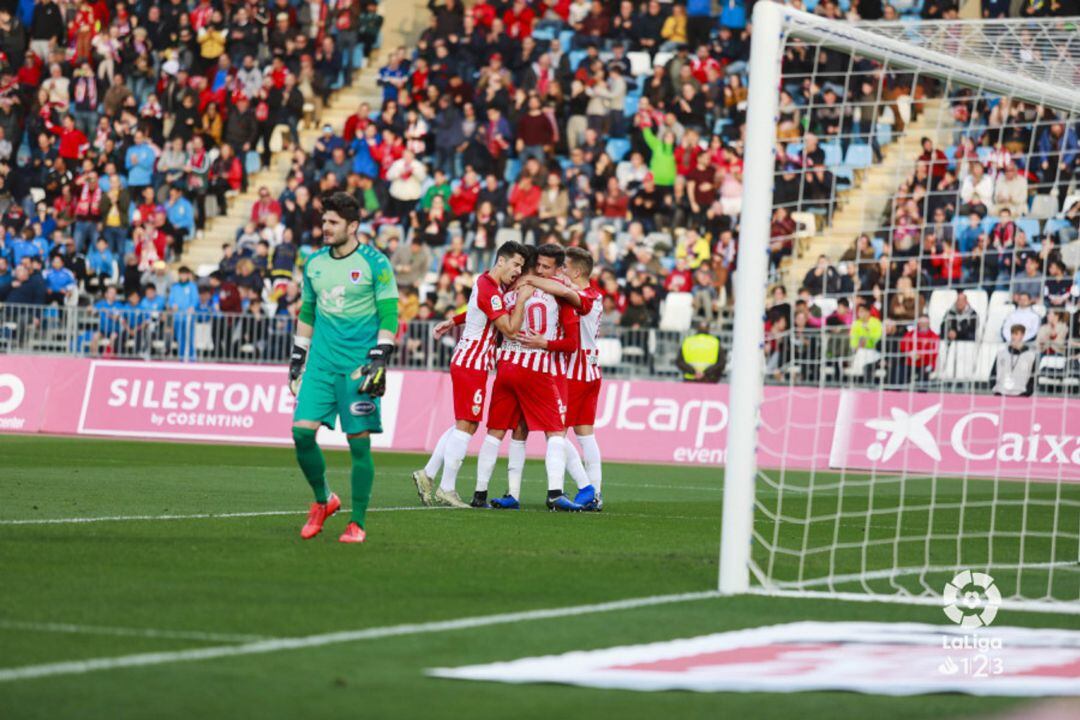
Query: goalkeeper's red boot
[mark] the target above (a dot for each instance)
(353, 534)
(317, 516)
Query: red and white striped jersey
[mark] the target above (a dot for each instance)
(584, 363)
(546, 316)
(476, 347)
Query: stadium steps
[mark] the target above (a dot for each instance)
(863, 206)
(403, 22)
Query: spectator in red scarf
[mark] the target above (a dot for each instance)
(87, 212)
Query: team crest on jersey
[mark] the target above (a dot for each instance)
(355, 275)
(496, 303)
(475, 409)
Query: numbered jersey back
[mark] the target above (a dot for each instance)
(541, 318)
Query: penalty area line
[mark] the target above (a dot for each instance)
(193, 516)
(78, 667)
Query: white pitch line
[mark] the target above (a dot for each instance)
(195, 516)
(77, 667)
(127, 632)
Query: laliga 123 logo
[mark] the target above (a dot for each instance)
(971, 599)
(891, 433)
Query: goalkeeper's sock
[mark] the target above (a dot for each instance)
(574, 466)
(436, 460)
(591, 450)
(456, 447)
(363, 476)
(310, 459)
(555, 462)
(516, 467)
(485, 462)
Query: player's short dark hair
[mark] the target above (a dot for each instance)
(553, 251)
(511, 248)
(581, 259)
(344, 204)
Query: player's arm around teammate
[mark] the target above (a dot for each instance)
(348, 315)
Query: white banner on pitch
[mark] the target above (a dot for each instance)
(877, 658)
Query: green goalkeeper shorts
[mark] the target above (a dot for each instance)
(326, 396)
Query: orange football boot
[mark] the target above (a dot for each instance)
(318, 515)
(353, 534)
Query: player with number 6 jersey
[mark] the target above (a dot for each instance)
(487, 318)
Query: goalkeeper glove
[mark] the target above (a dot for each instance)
(296, 362)
(374, 372)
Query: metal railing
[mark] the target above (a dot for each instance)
(131, 332)
(127, 332)
(813, 356)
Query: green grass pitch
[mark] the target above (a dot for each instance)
(253, 576)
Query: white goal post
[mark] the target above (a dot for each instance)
(777, 538)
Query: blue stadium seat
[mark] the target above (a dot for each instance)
(576, 56)
(1030, 226)
(984, 153)
(989, 223)
(566, 37)
(617, 148)
(513, 169)
(721, 123)
(845, 175)
(950, 154)
(631, 106)
(884, 134)
(879, 246)
(1054, 226)
(859, 156)
(546, 34)
(794, 150)
(834, 155)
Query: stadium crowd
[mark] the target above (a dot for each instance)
(614, 126)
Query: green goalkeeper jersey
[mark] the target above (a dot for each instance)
(346, 293)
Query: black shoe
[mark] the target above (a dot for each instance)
(479, 500)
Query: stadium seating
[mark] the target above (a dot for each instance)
(677, 311)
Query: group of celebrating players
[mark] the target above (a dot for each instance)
(533, 317)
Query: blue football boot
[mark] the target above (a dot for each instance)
(561, 503)
(506, 502)
(596, 505)
(585, 495)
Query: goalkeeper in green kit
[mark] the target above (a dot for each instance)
(348, 318)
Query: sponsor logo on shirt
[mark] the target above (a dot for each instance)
(496, 303)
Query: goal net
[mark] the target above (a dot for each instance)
(908, 409)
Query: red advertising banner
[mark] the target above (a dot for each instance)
(802, 428)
